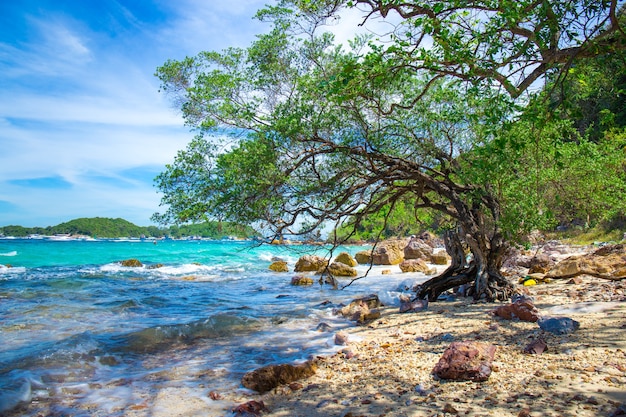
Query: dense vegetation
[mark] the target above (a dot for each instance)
(112, 228)
(440, 115)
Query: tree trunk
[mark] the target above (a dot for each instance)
(482, 271)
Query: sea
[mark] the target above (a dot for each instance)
(82, 335)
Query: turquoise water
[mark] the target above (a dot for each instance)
(79, 332)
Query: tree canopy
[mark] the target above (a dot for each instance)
(294, 131)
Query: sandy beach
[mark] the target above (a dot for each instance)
(385, 370)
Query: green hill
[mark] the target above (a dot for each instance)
(103, 227)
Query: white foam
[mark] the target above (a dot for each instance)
(12, 253)
(10, 398)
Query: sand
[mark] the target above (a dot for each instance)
(386, 369)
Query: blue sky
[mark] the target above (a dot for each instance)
(83, 127)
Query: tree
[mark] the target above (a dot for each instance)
(305, 133)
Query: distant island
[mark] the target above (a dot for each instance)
(102, 227)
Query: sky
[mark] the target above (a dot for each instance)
(83, 128)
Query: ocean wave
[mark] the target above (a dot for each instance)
(162, 337)
(8, 270)
(12, 253)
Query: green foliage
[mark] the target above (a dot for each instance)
(295, 132)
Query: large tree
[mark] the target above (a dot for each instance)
(295, 132)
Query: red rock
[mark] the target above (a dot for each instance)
(463, 361)
(523, 309)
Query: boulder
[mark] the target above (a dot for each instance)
(269, 377)
(339, 269)
(558, 325)
(301, 280)
(540, 263)
(414, 265)
(363, 257)
(310, 263)
(417, 249)
(363, 309)
(388, 252)
(522, 309)
(608, 262)
(279, 266)
(346, 259)
(132, 263)
(440, 258)
(466, 361)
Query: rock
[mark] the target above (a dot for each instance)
(575, 280)
(301, 280)
(536, 347)
(364, 257)
(269, 377)
(523, 309)
(414, 306)
(440, 258)
(363, 309)
(323, 327)
(558, 325)
(466, 361)
(414, 265)
(132, 263)
(449, 409)
(310, 263)
(341, 338)
(346, 259)
(279, 266)
(608, 262)
(251, 408)
(417, 249)
(340, 270)
(540, 263)
(388, 252)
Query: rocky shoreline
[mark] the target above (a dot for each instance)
(386, 367)
(391, 363)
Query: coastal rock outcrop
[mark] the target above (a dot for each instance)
(341, 270)
(418, 249)
(389, 252)
(271, 376)
(608, 262)
(279, 266)
(414, 265)
(440, 258)
(363, 257)
(131, 263)
(466, 361)
(310, 263)
(346, 259)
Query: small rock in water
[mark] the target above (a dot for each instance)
(323, 327)
(341, 338)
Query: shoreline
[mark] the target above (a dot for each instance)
(386, 369)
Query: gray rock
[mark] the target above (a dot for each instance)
(558, 325)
